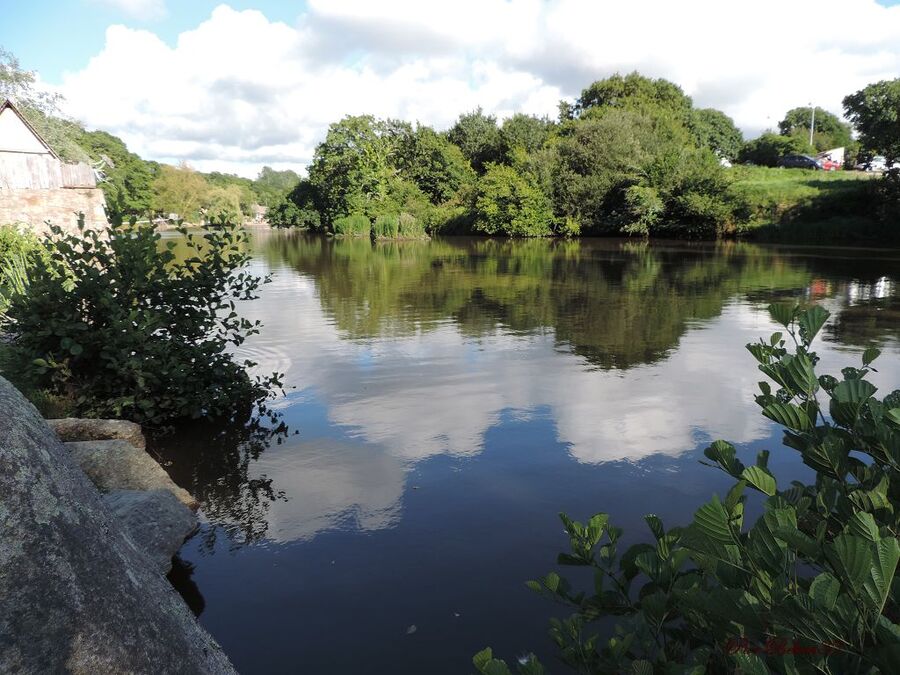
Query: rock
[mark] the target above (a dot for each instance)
(76, 594)
(155, 521)
(118, 465)
(75, 429)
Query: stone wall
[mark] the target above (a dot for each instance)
(59, 206)
(76, 594)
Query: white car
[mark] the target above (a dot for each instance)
(877, 163)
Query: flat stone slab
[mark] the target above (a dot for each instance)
(155, 521)
(78, 429)
(118, 465)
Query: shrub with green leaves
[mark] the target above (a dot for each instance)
(113, 320)
(809, 587)
(356, 225)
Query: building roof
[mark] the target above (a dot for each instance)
(17, 134)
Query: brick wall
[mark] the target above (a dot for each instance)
(59, 206)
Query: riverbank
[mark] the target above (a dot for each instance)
(809, 207)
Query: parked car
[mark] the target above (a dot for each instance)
(829, 164)
(800, 162)
(877, 163)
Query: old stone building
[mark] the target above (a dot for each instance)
(36, 186)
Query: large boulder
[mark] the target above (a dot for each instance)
(155, 521)
(76, 595)
(78, 429)
(118, 465)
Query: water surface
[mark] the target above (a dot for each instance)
(450, 397)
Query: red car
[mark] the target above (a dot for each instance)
(829, 165)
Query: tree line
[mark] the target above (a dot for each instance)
(631, 155)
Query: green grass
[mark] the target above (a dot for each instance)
(808, 206)
(356, 225)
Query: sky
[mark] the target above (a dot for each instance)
(233, 86)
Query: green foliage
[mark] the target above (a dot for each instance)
(829, 131)
(16, 248)
(768, 148)
(432, 162)
(621, 170)
(409, 227)
(356, 225)
(116, 322)
(810, 586)
(875, 113)
(478, 136)
(524, 132)
(128, 180)
(716, 131)
(508, 203)
(271, 186)
(635, 92)
(387, 226)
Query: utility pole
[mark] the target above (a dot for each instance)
(812, 123)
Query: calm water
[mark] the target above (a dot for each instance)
(449, 398)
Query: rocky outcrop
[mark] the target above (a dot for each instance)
(76, 594)
(118, 465)
(155, 521)
(77, 429)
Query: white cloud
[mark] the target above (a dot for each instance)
(137, 9)
(239, 91)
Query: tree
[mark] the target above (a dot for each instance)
(875, 112)
(717, 131)
(524, 131)
(636, 92)
(271, 186)
(40, 108)
(128, 182)
(509, 204)
(222, 205)
(179, 190)
(432, 162)
(351, 168)
(829, 131)
(769, 147)
(477, 135)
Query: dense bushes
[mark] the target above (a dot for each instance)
(127, 330)
(808, 587)
(508, 203)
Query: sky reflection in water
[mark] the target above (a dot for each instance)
(452, 397)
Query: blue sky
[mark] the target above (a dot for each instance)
(233, 85)
(77, 27)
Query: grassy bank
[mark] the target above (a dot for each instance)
(805, 206)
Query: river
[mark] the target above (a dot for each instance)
(446, 399)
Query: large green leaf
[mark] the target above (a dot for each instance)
(761, 479)
(800, 370)
(853, 559)
(712, 520)
(870, 355)
(724, 454)
(824, 590)
(811, 321)
(862, 524)
(789, 415)
(782, 313)
(881, 575)
(853, 391)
